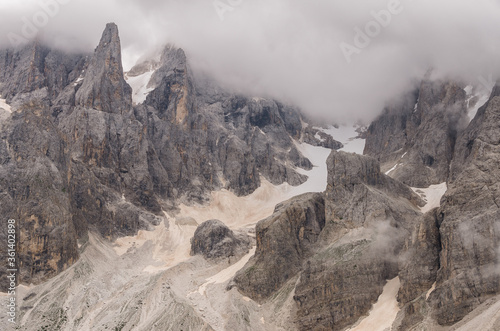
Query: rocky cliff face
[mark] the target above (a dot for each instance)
(335, 249)
(76, 154)
(35, 67)
(417, 134)
(206, 140)
(284, 241)
(104, 87)
(33, 192)
(452, 262)
(368, 217)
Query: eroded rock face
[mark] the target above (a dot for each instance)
(32, 192)
(340, 284)
(284, 241)
(359, 193)
(316, 137)
(419, 133)
(369, 216)
(420, 264)
(35, 66)
(214, 240)
(456, 246)
(469, 220)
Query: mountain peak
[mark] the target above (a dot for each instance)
(104, 87)
(110, 35)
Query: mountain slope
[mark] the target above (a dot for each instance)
(77, 155)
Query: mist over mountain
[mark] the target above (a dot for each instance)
(291, 50)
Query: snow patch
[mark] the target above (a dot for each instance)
(482, 96)
(433, 287)
(432, 195)
(258, 99)
(4, 105)
(384, 311)
(318, 175)
(317, 136)
(392, 169)
(226, 274)
(78, 80)
(348, 136)
(139, 84)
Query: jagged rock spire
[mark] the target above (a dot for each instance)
(104, 87)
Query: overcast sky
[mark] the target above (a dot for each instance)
(310, 53)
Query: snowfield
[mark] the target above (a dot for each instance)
(139, 85)
(383, 312)
(348, 136)
(5, 106)
(432, 196)
(480, 96)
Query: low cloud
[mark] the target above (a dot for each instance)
(291, 49)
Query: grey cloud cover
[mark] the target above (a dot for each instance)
(291, 49)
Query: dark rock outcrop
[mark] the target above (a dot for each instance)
(214, 240)
(284, 241)
(340, 284)
(358, 192)
(316, 137)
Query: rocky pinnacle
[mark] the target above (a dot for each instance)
(104, 87)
